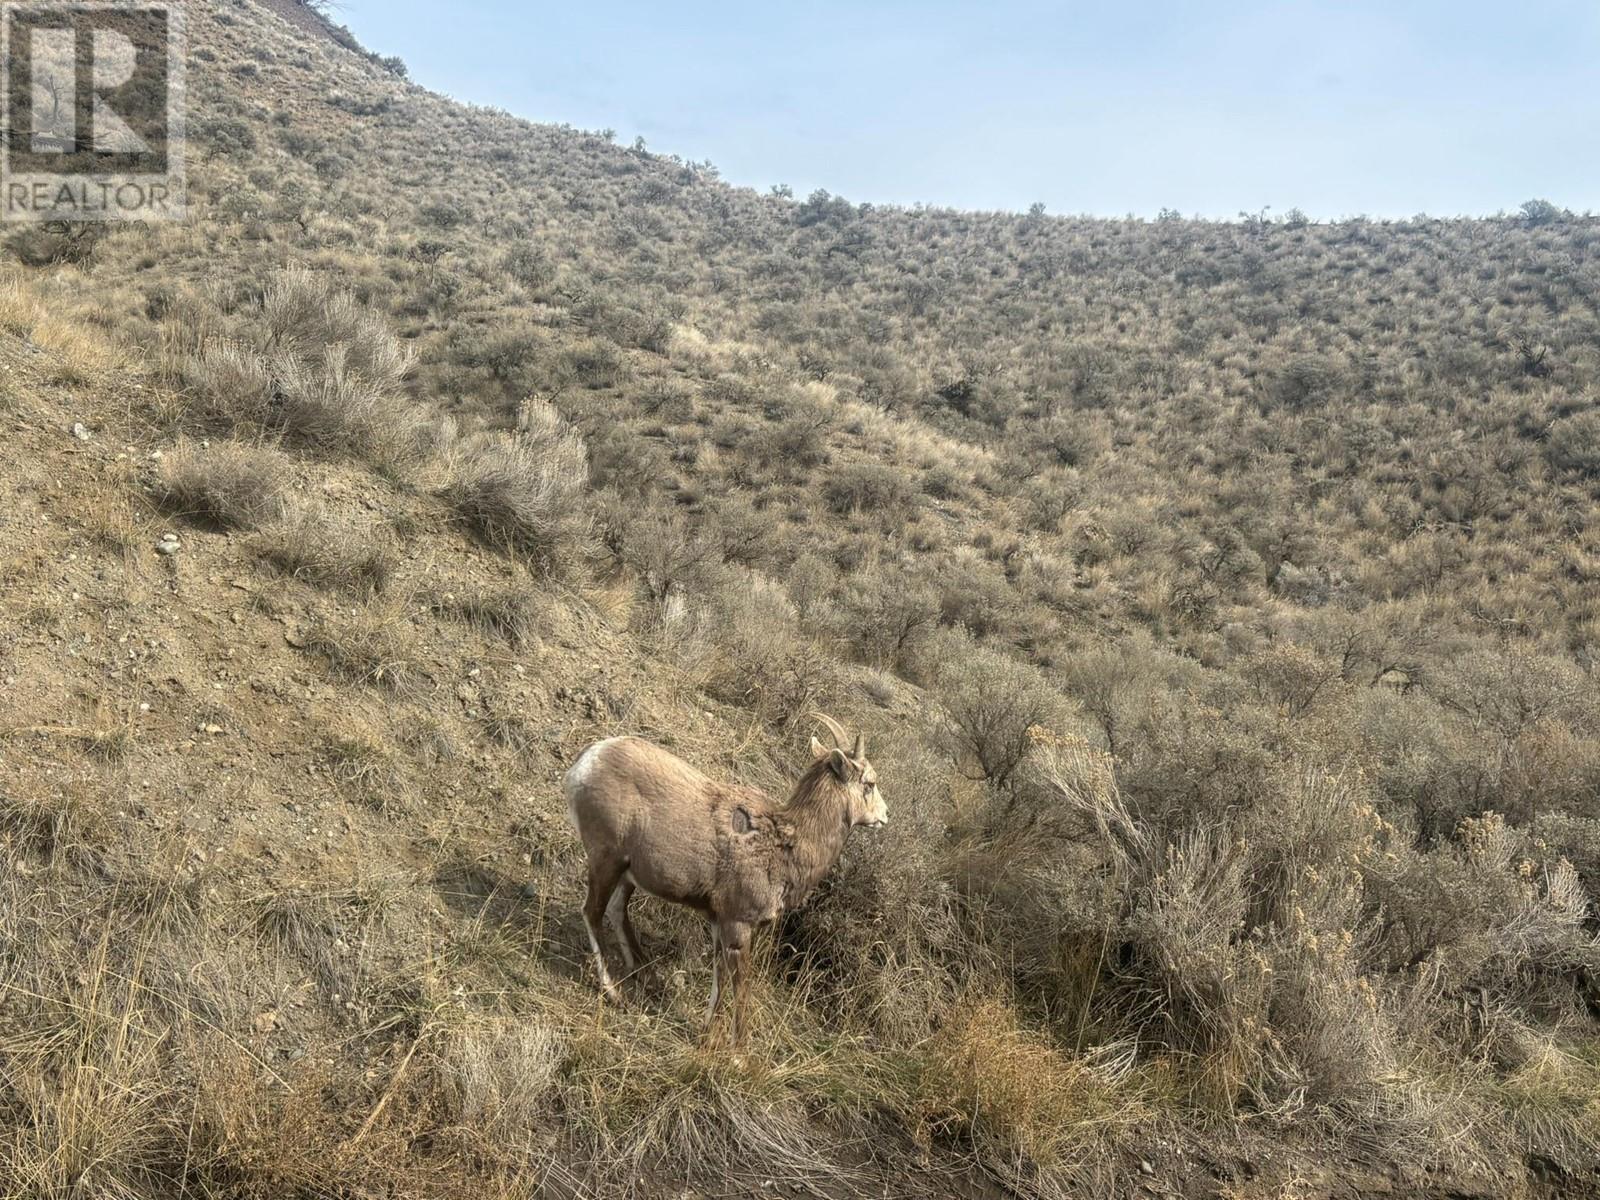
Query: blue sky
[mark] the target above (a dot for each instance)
(1386, 109)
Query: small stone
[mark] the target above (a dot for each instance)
(79, 432)
(1146, 1167)
(168, 548)
(529, 892)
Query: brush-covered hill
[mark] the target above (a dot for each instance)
(1219, 602)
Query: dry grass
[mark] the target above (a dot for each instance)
(315, 547)
(1024, 1100)
(1268, 590)
(525, 496)
(230, 485)
(367, 646)
(79, 353)
(513, 614)
(365, 763)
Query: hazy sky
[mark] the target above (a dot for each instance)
(1387, 109)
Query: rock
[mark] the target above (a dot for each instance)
(529, 892)
(169, 544)
(1146, 1167)
(79, 432)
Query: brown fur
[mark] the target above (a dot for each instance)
(649, 819)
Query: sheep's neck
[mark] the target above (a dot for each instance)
(820, 831)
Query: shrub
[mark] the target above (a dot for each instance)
(993, 707)
(886, 617)
(227, 484)
(868, 488)
(525, 495)
(1305, 382)
(1574, 445)
(1541, 212)
(1508, 691)
(761, 661)
(530, 266)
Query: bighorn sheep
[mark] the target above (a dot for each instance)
(649, 820)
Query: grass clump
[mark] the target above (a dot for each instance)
(312, 366)
(230, 485)
(525, 495)
(314, 547)
(988, 1080)
(366, 647)
(368, 767)
(512, 614)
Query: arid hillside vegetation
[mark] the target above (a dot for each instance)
(1219, 601)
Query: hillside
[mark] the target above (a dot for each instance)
(1218, 601)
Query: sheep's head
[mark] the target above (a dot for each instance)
(857, 775)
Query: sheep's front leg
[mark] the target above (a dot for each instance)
(716, 975)
(735, 937)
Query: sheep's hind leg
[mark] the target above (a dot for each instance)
(617, 913)
(603, 877)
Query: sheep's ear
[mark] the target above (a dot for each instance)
(839, 764)
(817, 749)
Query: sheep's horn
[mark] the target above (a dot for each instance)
(833, 727)
(860, 751)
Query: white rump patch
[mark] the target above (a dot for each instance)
(578, 774)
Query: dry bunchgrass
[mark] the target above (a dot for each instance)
(79, 353)
(525, 495)
(87, 1096)
(315, 547)
(366, 765)
(1024, 1101)
(1551, 1094)
(228, 484)
(317, 370)
(368, 645)
(56, 822)
(511, 613)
